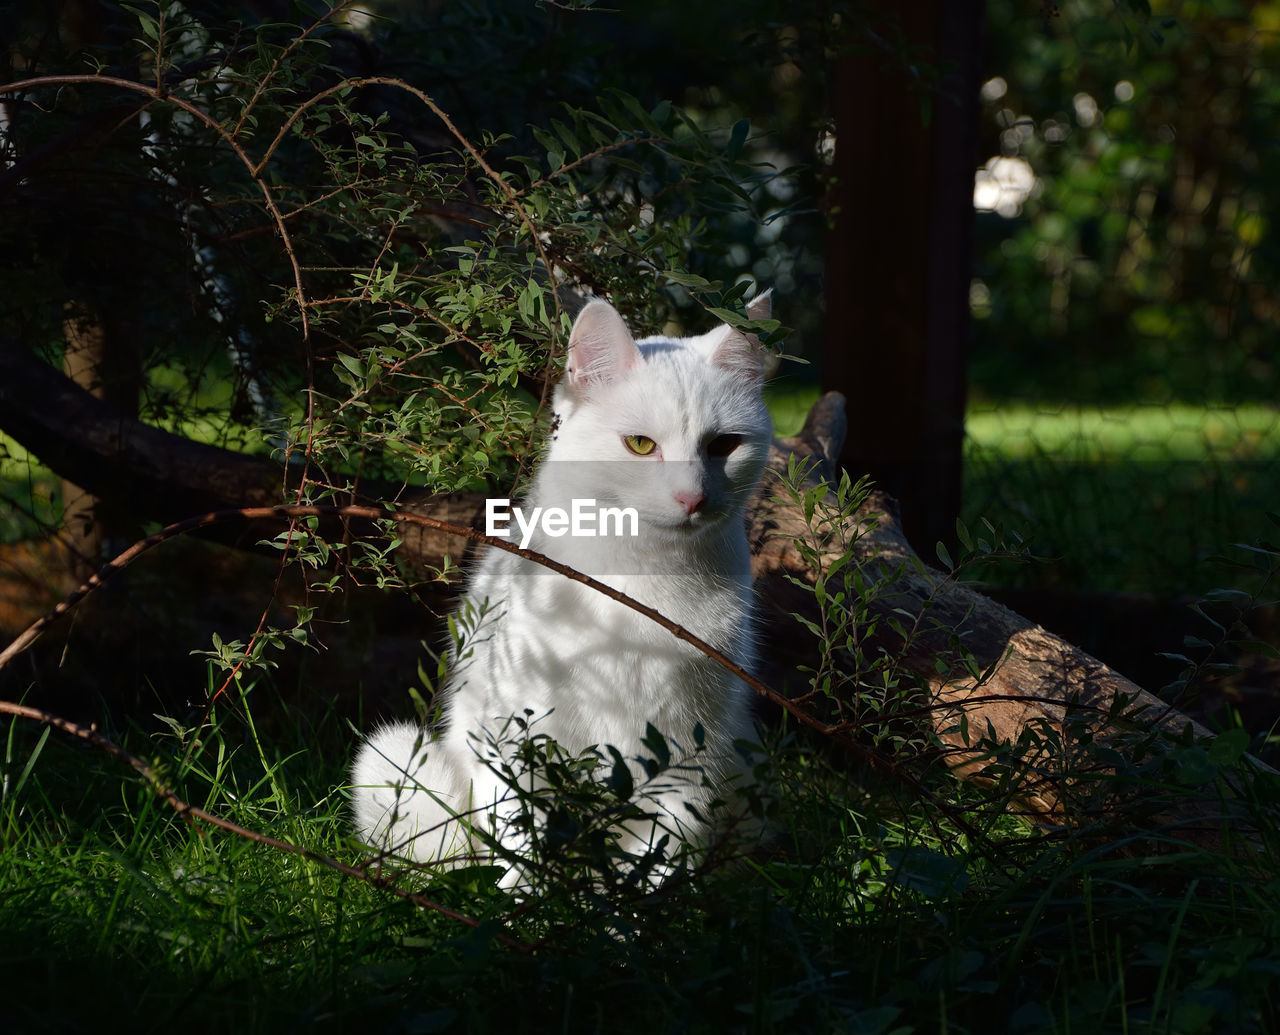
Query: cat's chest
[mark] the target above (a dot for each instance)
(604, 669)
(713, 612)
(595, 670)
(561, 611)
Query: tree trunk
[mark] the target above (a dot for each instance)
(157, 476)
(82, 362)
(899, 252)
(995, 680)
(98, 358)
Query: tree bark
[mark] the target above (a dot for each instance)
(158, 475)
(1030, 680)
(81, 530)
(899, 251)
(98, 358)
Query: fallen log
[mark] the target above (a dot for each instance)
(1007, 698)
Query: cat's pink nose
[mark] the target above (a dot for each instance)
(691, 501)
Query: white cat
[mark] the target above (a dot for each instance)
(675, 428)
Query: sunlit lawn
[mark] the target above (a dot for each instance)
(1129, 434)
(1136, 498)
(1140, 432)
(1139, 499)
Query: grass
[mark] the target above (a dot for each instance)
(1138, 433)
(29, 494)
(1138, 499)
(1135, 499)
(874, 914)
(1164, 433)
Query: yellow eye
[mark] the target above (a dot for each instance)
(641, 445)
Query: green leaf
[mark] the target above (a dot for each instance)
(1261, 647)
(737, 137)
(571, 142)
(632, 105)
(147, 23)
(1229, 747)
(690, 280)
(944, 555)
(932, 874)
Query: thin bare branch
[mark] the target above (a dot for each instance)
(209, 121)
(190, 812)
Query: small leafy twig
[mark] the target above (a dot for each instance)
(293, 45)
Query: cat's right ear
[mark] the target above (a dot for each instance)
(601, 348)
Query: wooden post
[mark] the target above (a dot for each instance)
(898, 256)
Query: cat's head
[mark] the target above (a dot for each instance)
(674, 427)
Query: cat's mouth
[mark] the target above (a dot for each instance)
(690, 524)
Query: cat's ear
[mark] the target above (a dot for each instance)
(741, 352)
(601, 348)
(761, 307)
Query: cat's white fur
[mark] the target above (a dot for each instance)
(590, 671)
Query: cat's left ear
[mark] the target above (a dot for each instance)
(601, 348)
(740, 352)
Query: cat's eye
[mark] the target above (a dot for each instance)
(641, 445)
(723, 445)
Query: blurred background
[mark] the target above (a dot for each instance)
(1124, 372)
